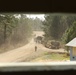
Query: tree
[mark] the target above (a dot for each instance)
(8, 22)
(36, 24)
(46, 25)
(70, 19)
(70, 33)
(23, 31)
(52, 26)
(55, 27)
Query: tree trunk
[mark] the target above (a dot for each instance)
(4, 33)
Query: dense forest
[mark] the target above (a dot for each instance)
(60, 27)
(36, 24)
(16, 30)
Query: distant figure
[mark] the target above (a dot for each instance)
(35, 48)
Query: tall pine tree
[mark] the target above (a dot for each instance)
(70, 33)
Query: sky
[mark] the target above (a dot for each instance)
(40, 16)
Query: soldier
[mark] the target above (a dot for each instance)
(35, 48)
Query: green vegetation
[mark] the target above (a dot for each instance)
(55, 25)
(53, 57)
(16, 30)
(59, 27)
(57, 56)
(37, 24)
(70, 33)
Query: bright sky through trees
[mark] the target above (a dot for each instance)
(40, 16)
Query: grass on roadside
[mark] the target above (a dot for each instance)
(53, 56)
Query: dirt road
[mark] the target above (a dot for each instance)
(25, 53)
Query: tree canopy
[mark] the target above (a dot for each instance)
(57, 26)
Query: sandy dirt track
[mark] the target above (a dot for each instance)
(26, 52)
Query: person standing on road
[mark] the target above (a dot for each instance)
(35, 48)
